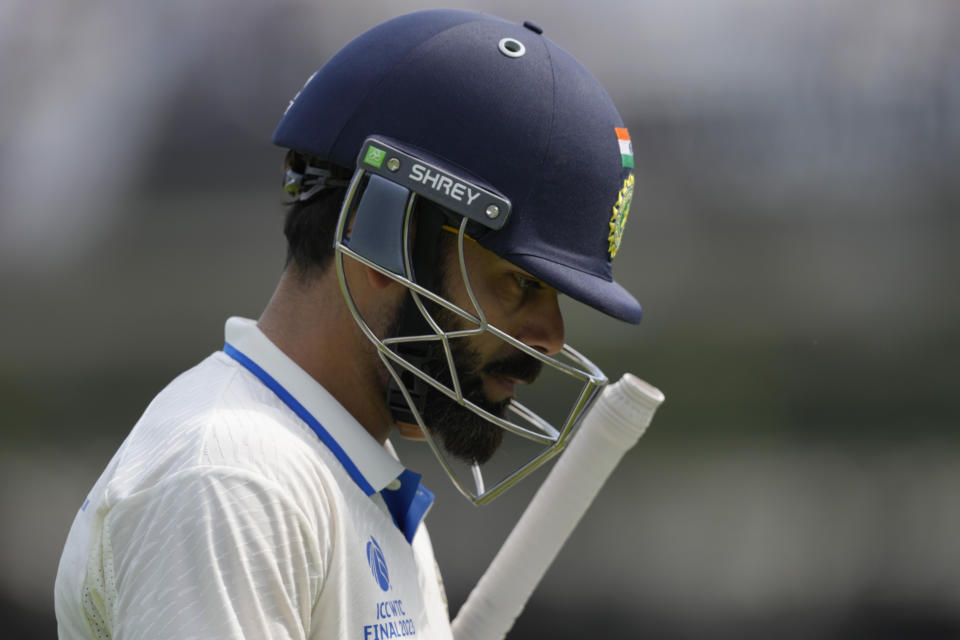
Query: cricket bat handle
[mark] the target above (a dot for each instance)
(612, 426)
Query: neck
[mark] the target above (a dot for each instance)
(307, 318)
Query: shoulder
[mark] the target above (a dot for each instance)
(225, 546)
(216, 456)
(217, 420)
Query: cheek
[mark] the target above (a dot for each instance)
(490, 348)
(495, 288)
(499, 297)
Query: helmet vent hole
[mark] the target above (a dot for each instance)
(512, 48)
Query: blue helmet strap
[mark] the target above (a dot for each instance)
(425, 258)
(377, 232)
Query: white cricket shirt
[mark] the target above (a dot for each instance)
(248, 503)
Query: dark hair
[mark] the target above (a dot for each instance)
(310, 225)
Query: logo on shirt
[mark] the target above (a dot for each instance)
(378, 564)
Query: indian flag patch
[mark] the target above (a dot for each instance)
(626, 147)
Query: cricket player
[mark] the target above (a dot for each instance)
(450, 175)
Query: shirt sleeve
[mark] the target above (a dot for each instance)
(211, 553)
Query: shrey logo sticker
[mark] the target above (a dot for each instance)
(378, 564)
(626, 147)
(620, 212)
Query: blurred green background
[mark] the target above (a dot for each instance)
(792, 239)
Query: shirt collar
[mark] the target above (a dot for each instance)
(372, 467)
(374, 464)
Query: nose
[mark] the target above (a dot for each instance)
(543, 329)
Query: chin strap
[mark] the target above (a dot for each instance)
(426, 273)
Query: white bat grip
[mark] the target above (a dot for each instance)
(614, 424)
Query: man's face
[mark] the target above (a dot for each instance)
(488, 368)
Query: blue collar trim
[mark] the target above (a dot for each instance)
(407, 505)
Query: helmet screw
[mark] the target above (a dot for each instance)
(393, 164)
(493, 211)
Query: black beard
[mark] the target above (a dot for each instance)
(462, 433)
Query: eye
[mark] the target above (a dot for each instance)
(527, 283)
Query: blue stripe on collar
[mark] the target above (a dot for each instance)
(407, 505)
(305, 415)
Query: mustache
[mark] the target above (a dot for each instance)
(518, 366)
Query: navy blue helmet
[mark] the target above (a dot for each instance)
(501, 104)
(522, 150)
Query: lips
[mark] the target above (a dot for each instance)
(519, 367)
(508, 384)
(501, 387)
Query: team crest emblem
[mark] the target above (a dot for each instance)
(378, 564)
(620, 212)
